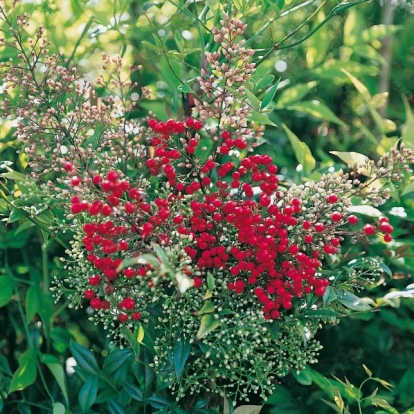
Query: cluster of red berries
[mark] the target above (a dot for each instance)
(259, 243)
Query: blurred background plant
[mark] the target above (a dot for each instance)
(346, 89)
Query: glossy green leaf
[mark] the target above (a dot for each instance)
(317, 110)
(208, 324)
(329, 295)
(33, 298)
(270, 94)
(115, 359)
(25, 374)
(115, 407)
(294, 93)
(368, 52)
(254, 101)
(351, 301)
(4, 366)
(88, 392)
(264, 82)
(134, 392)
(261, 119)
(132, 339)
(181, 352)
(58, 372)
(365, 210)
(211, 284)
(6, 290)
(302, 377)
(84, 358)
(302, 152)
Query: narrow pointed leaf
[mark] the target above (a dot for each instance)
(181, 352)
(84, 358)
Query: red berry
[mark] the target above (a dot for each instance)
(75, 180)
(95, 303)
(89, 294)
(387, 238)
(225, 135)
(308, 238)
(122, 317)
(352, 219)
(130, 207)
(306, 225)
(369, 229)
(136, 316)
(386, 227)
(95, 280)
(336, 216)
(319, 290)
(112, 176)
(319, 227)
(68, 166)
(333, 198)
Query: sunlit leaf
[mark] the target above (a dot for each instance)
(208, 324)
(25, 374)
(302, 152)
(294, 93)
(379, 31)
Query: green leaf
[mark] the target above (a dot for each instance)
(380, 402)
(58, 372)
(263, 82)
(211, 284)
(368, 52)
(88, 392)
(270, 94)
(4, 366)
(185, 88)
(33, 299)
(84, 358)
(58, 408)
(321, 313)
(295, 93)
(302, 377)
(208, 324)
(254, 101)
(407, 189)
(329, 295)
(115, 359)
(351, 301)
(115, 407)
(379, 31)
(302, 152)
(408, 130)
(261, 119)
(319, 43)
(351, 158)
(6, 290)
(208, 307)
(248, 409)
(353, 27)
(181, 352)
(334, 69)
(25, 374)
(318, 110)
(133, 341)
(133, 391)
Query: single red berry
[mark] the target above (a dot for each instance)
(387, 238)
(306, 225)
(112, 176)
(319, 227)
(95, 280)
(95, 303)
(225, 135)
(122, 317)
(75, 180)
(369, 229)
(319, 290)
(97, 179)
(336, 216)
(136, 316)
(386, 227)
(130, 207)
(352, 219)
(333, 198)
(308, 238)
(68, 166)
(89, 294)
(129, 303)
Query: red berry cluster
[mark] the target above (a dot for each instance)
(383, 227)
(238, 224)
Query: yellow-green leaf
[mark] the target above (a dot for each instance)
(208, 307)
(26, 372)
(408, 130)
(295, 93)
(302, 152)
(379, 31)
(208, 324)
(6, 290)
(248, 409)
(318, 110)
(319, 43)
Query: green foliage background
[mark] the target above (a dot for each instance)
(327, 97)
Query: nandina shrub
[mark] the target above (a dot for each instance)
(185, 244)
